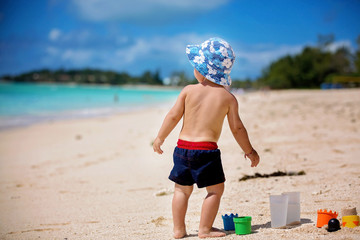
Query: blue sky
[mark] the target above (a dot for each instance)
(139, 35)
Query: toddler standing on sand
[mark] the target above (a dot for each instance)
(197, 157)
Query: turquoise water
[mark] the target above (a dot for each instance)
(26, 103)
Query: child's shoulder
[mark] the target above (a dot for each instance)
(187, 90)
(190, 87)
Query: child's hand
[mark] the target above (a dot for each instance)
(254, 158)
(156, 145)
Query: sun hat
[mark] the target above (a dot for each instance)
(214, 59)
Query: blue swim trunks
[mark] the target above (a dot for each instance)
(197, 162)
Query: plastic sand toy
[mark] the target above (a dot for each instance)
(333, 225)
(324, 216)
(229, 222)
(242, 225)
(293, 208)
(350, 221)
(278, 210)
(285, 209)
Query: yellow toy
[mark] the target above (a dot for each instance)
(350, 221)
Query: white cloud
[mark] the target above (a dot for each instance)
(141, 10)
(339, 44)
(77, 37)
(263, 56)
(130, 54)
(167, 53)
(54, 34)
(53, 51)
(77, 56)
(252, 59)
(160, 47)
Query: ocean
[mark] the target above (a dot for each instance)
(28, 103)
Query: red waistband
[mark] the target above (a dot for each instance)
(197, 145)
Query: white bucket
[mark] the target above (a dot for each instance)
(278, 210)
(293, 211)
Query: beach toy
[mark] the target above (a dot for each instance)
(278, 210)
(229, 222)
(350, 221)
(293, 209)
(324, 216)
(333, 225)
(242, 225)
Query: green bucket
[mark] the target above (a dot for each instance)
(242, 225)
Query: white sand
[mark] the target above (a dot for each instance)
(99, 178)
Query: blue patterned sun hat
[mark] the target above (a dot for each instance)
(214, 59)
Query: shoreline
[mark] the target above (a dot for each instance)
(7, 123)
(82, 106)
(135, 86)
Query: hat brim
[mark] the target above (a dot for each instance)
(193, 52)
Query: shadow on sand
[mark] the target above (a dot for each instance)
(191, 235)
(255, 228)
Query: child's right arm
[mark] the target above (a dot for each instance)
(170, 121)
(240, 133)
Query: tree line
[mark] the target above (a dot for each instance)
(313, 67)
(87, 76)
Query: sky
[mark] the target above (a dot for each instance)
(139, 35)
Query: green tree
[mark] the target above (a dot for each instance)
(88, 76)
(151, 78)
(180, 79)
(308, 69)
(279, 74)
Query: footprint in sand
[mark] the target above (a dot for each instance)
(337, 151)
(36, 230)
(55, 224)
(78, 137)
(91, 222)
(164, 192)
(159, 221)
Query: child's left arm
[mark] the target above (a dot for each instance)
(170, 121)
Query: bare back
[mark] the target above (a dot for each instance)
(206, 105)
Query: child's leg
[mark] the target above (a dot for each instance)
(179, 207)
(209, 210)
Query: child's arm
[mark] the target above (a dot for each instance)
(240, 133)
(170, 121)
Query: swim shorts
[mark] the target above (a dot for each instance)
(197, 162)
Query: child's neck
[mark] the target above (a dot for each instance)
(209, 83)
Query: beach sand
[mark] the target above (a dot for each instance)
(100, 179)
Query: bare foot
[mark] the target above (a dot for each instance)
(179, 234)
(213, 233)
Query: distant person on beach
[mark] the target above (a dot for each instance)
(197, 157)
(116, 98)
